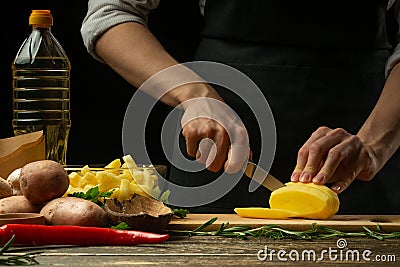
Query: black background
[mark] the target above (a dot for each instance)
(99, 96)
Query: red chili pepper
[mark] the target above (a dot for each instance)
(33, 234)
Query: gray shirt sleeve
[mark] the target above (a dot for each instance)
(395, 57)
(105, 14)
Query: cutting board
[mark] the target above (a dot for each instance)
(348, 223)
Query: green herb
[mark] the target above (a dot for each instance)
(278, 232)
(121, 226)
(181, 213)
(25, 259)
(94, 195)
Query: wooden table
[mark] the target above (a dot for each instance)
(222, 251)
(216, 250)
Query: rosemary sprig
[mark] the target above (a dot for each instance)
(25, 259)
(278, 232)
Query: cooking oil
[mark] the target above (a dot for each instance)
(41, 87)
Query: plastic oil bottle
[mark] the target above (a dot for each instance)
(41, 87)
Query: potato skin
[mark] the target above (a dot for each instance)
(5, 188)
(74, 211)
(13, 178)
(43, 180)
(18, 204)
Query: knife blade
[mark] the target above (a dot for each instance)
(261, 177)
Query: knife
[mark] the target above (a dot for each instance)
(261, 177)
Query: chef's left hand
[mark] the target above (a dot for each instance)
(335, 156)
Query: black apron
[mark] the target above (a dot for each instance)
(316, 65)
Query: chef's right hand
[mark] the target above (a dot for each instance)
(215, 135)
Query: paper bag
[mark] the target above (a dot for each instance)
(19, 150)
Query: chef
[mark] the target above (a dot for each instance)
(328, 71)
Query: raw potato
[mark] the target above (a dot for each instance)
(301, 200)
(17, 192)
(74, 211)
(18, 204)
(5, 188)
(324, 206)
(13, 178)
(43, 180)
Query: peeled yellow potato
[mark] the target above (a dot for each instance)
(335, 198)
(115, 164)
(74, 179)
(306, 201)
(107, 181)
(89, 178)
(301, 200)
(124, 193)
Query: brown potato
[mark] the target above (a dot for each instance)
(43, 180)
(5, 188)
(18, 204)
(17, 192)
(74, 211)
(13, 179)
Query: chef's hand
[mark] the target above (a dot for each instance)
(334, 156)
(215, 135)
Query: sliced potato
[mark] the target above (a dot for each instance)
(259, 212)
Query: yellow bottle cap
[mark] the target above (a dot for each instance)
(41, 17)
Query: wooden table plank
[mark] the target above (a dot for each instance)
(223, 251)
(212, 251)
